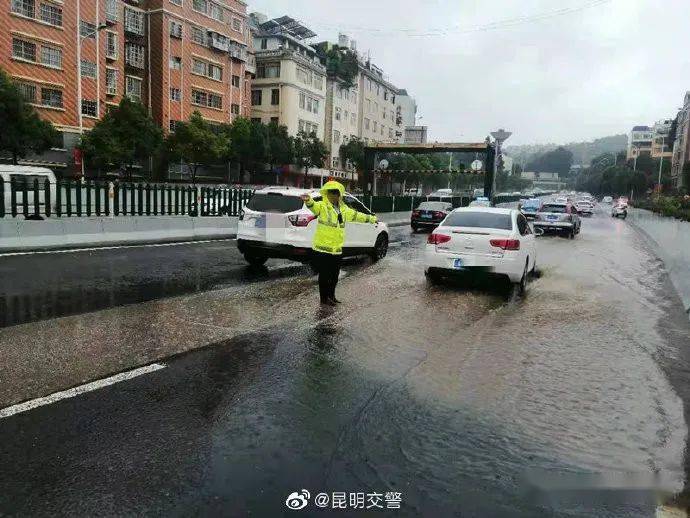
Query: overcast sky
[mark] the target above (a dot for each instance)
(547, 70)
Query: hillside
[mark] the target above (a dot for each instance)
(583, 152)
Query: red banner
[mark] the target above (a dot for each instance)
(76, 153)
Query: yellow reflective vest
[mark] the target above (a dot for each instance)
(330, 232)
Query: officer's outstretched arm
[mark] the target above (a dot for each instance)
(313, 206)
(359, 217)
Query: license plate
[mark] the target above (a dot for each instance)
(261, 222)
(552, 218)
(457, 264)
(426, 216)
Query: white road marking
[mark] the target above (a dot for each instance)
(96, 248)
(81, 389)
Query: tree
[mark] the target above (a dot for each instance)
(280, 146)
(125, 136)
(309, 152)
(248, 141)
(196, 144)
(557, 161)
(354, 152)
(341, 63)
(23, 131)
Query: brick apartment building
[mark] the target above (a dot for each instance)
(174, 56)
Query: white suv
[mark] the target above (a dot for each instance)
(275, 223)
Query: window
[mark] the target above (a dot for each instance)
(87, 29)
(390, 133)
(51, 14)
(385, 95)
(316, 106)
(368, 106)
(24, 7)
(200, 98)
(200, 5)
(237, 24)
(215, 101)
(175, 94)
(53, 57)
(175, 62)
(275, 97)
(23, 49)
(336, 137)
(338, 114)
(197, 35)
(235, 109)
(256, 97)
(111, 45)
(236, 81)
(318, 82)
(480, 220)
(175, 29)
(28, 92)
(51, 97)
(134, 21)
(110, 81)
(215, 11)
(366, 123)
(376, 107)
(310, 104)
(215, 72)
(346, 117)
(335, 161)
(268, 70)
(173, 125)
(302, 100)
(274, 120)
(352, 118)
(134, 55)
(300, 126)
(199, 67)
(375, 126)
(112, 10)
(89, 108)
(133, 88)
(88, 68)
(264, 44)
(257, 120)
(383, 130)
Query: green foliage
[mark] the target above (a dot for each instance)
(23, 131)
(557, 161)
(196, 144)
(126, 135)
(671, 206)
(354, 152)
(309, 151)
(685, 177)
(341, 63)
(280, 148)
(245, 142)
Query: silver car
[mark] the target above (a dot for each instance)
(558, 217)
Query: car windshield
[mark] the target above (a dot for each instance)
(560, 209)
(480, 220)
(432, 205)
(531, 204)
(277, 203)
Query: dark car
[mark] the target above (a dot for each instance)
(429, 214)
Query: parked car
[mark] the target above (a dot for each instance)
(482, 201)
(584, 207)
(478, 193)
(482, 241)
(530, 207)
(429, 214)
(275, 223)
(441, 193)
(619, 210)
(558, 217)
(607, 199)
(24, 178)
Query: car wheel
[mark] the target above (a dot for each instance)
(522, 285)
(415, 228)
(432, 277)
(255, 260)
(572, 234)
(380, 248)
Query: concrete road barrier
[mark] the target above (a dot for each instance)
(62, 233)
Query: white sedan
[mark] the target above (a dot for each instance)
(482, 240)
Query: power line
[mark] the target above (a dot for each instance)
(491, 26)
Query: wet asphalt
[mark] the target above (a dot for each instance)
(459, 397)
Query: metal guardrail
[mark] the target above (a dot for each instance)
(40, 199)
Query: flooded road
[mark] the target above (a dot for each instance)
(453, 397)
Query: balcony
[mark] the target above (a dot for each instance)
(218, 42)
(250, 65)
(112, 12)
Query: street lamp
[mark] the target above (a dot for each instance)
(80, 41)
(500, 137)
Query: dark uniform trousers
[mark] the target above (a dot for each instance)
(328, 268)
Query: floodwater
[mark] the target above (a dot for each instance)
(467, 401)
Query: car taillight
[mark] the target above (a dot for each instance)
(301, 220)
(415, 213)
(437, 239)
(241, 216)
(506, 244)
(439, 214)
